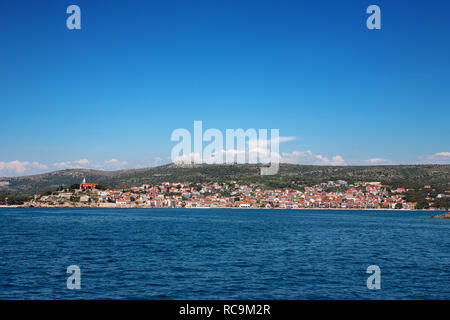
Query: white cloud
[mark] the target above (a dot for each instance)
(442, 154)
(297, 156)
(77, 164)
(82, 162)
(338, 161)
(63, 165)
(265, 155)
(112, 164)
(265, 143)
(378, 161)
(308, 157)
(256, 154)
(259, 150)
(38, 165)
(112, 161)
(286, 139)
(437, 158)
(17, 167)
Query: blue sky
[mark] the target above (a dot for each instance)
(109, 95)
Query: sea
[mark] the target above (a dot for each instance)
(222, 254)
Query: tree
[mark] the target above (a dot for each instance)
(74, 186)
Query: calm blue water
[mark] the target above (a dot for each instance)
(222, 254)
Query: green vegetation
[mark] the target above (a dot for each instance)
(424, 196)
(14, 200)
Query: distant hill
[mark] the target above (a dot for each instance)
(289, 176)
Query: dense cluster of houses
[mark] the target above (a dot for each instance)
(333, 194)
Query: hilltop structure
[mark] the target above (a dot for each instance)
(85, 185)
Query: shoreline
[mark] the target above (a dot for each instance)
(234, 208)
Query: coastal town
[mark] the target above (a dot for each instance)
(332, 194)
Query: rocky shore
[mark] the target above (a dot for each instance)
(442, 216)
